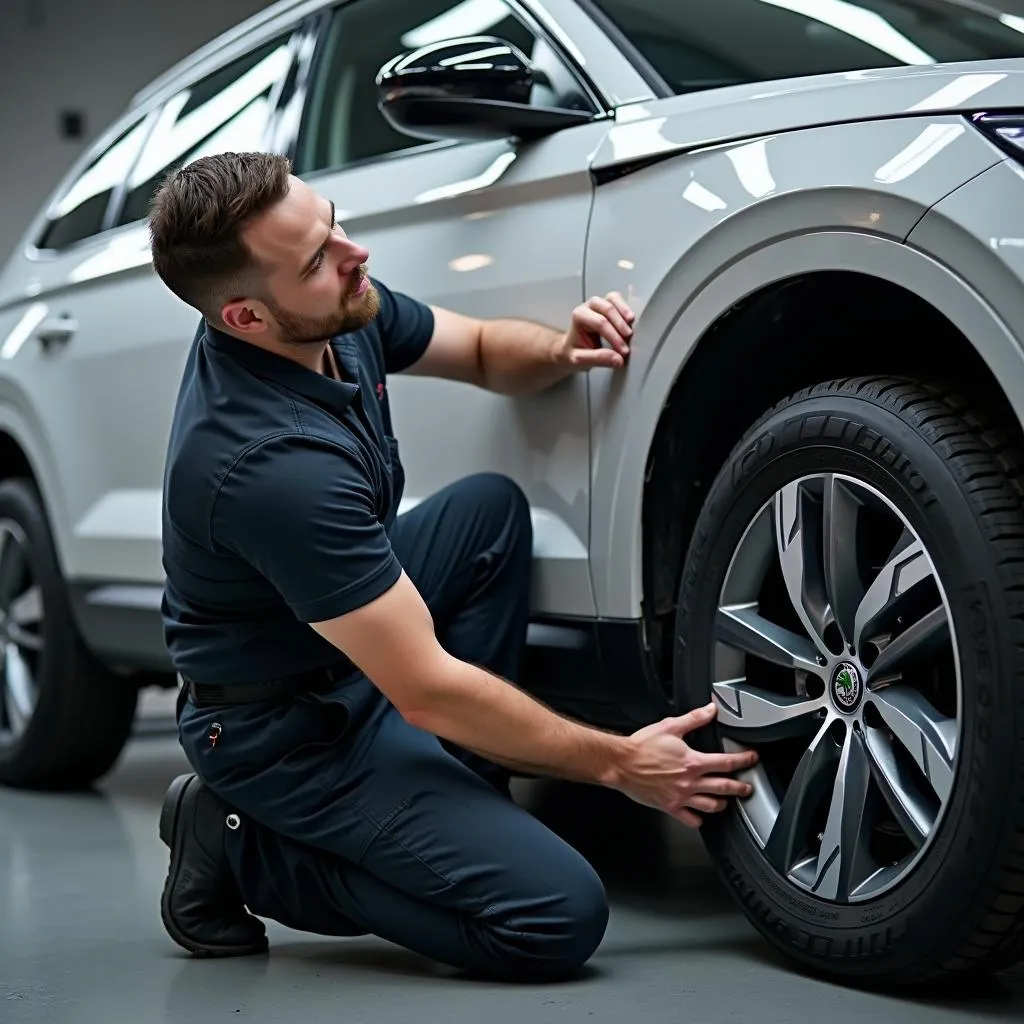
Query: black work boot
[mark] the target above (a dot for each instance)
(201, 907)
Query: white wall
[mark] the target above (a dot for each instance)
(87, 55)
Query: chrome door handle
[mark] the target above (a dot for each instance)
(56, 330)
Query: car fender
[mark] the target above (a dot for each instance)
(854, 224)
(19, 421)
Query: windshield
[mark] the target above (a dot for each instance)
(705, 44)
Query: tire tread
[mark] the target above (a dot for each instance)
(988, 468)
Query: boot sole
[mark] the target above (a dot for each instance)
(173, 839)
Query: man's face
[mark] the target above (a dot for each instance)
(316, 283)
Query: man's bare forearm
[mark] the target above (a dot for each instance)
(490, 717)
(517, 357)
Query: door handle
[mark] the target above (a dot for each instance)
(56, 330)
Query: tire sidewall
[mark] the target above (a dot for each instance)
(864, 438)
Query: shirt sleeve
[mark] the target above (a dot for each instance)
(406, 327)
(301, 511)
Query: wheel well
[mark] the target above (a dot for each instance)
(789, 335)
(13, 462)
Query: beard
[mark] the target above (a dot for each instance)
(354, 314)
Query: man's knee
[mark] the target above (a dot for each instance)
(553, 935)
(587, 919)
(500, 496)
(505, 509)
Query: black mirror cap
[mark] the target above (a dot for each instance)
(471, 88)
(470, 67)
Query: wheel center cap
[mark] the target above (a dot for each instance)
(847, 687)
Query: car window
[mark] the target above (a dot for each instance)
(81, 210)
(342, 124)
(703, 44)
(228, 110)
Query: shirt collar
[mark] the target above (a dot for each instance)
(278, 369)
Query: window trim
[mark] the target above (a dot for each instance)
(643, 67)
(121, 126)
(596, 97)
(308, 29)
(288, 36)
(150, 111)
(526, 17)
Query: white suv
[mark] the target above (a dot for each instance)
(803, 496)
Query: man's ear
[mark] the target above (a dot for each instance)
(244, 316)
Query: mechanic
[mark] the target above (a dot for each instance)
(350, 705)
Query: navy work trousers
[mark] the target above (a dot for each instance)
(351, 821)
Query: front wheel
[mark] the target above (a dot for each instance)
(852, 600)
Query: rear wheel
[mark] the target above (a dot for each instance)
(64, 719)
(852, 600)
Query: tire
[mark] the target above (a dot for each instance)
(82, 714)
(949, 901)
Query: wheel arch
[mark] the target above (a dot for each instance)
(685, 422)
(22, 455)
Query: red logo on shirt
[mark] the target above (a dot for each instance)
(380, 392)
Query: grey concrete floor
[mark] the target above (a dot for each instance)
(81, 940)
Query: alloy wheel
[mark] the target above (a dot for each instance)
(21, 640)
(836, 659)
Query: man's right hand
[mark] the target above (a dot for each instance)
(392, 640)
(660, 770)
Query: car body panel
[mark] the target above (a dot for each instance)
(103, 402)
(733, 215)
(978, 242)
(716, 116)
(491, 231)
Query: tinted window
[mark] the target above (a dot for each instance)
(342, 123)
(80, 211)
(227, 111)
(701, 44)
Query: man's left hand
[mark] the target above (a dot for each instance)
(607, 318)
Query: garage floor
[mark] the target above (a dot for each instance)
(81, 940)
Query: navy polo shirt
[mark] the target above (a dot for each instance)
(280, 488)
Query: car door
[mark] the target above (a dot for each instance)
(101, 344)
(490, 229)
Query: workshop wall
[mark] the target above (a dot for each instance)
(69, 67)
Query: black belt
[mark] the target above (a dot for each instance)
(211, 695)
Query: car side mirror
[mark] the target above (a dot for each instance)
(474, 88)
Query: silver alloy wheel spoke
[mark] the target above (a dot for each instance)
(879, 759)
(747, 630)
(814, 776)
(771, 716)
(922, 639)
(907, 568)
(21, 634)
(839, 548)
(23, 638)
(797, 534)
(898, 788)
(929, 738)
(19, 690)
(27, 608)
(843, 860)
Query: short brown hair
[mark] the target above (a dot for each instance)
(195, 224)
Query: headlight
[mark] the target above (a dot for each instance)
(1005, 130)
